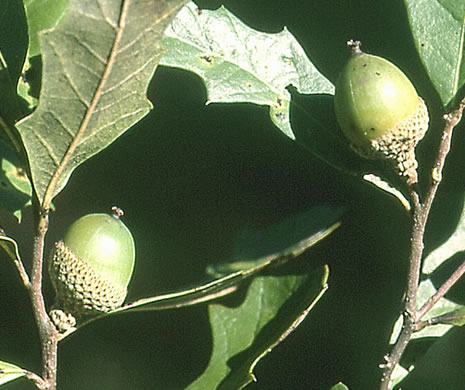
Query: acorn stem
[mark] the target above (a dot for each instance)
(117, 212)
(354, 46)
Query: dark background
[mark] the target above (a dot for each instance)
(190, 177)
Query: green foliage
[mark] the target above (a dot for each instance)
(42, 15)
(438, 30)
(15, 188)
(105, 59)
(9, 372)
(10, 246)
(228, 56)
(272, 308)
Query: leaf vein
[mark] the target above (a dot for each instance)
(113, 24)
(131, 43)
(68, 76)
(103, 108)
(109, 124)
(62, 124)
(47, 147)
(128, 77)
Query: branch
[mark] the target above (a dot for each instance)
(452, 120)
(36, 379)
(47, 331)
(420, 214)
(416, 251)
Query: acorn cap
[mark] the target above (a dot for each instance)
(79, 289)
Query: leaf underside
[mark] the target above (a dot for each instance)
(97, 64)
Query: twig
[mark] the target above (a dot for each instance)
(420, 214)
(452, 120)
(36, 379)
(416, 251)
(47, 331)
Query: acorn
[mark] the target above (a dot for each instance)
(91, 267)
(380, 111)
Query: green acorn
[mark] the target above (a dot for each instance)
(91, 267)
(380, 111)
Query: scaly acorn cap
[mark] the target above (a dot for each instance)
(91, 267)
(380, 111)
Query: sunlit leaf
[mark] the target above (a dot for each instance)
(399, 374)
(9, 246)
(438, 28)
(274, 307)
(455, 317)
(229, 57)
(9, 372)
(98, 63)
(385, 186)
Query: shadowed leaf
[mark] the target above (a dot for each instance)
(319, 223)
(15, 188)
(272, 309)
